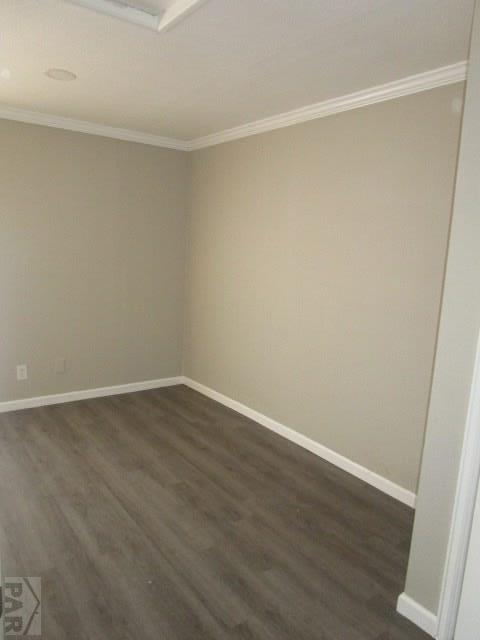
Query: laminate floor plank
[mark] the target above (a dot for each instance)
(163, 515)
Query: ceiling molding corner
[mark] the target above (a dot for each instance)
(91, 128)
(405, 86)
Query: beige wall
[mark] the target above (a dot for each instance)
(91, 260)
(458, 335)
(314, 271)
(315, 265)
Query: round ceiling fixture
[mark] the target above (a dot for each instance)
(60, 74)
(5, 74)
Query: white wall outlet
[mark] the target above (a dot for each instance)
(60, 365)
(22, 372)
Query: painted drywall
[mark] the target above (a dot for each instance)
(458, 334)
(315, 266)
(92, 236)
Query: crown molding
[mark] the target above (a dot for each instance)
(83, 126)
(403, 87)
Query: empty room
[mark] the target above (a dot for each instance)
(239, 319)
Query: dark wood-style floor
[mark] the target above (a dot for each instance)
(162, 515)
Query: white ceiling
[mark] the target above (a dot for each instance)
(229, 63)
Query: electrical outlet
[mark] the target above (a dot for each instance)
(22, 372)
(60, 365)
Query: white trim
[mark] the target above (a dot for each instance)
(122, 11)
(177, 12)
(423, 618)
(159, 22)
(403, 87)
(92, 128)
(84, 394)
(387, 486)
(468, 478)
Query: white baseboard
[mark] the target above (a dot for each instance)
(387, 486)
(84, 394)
(423, 618)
